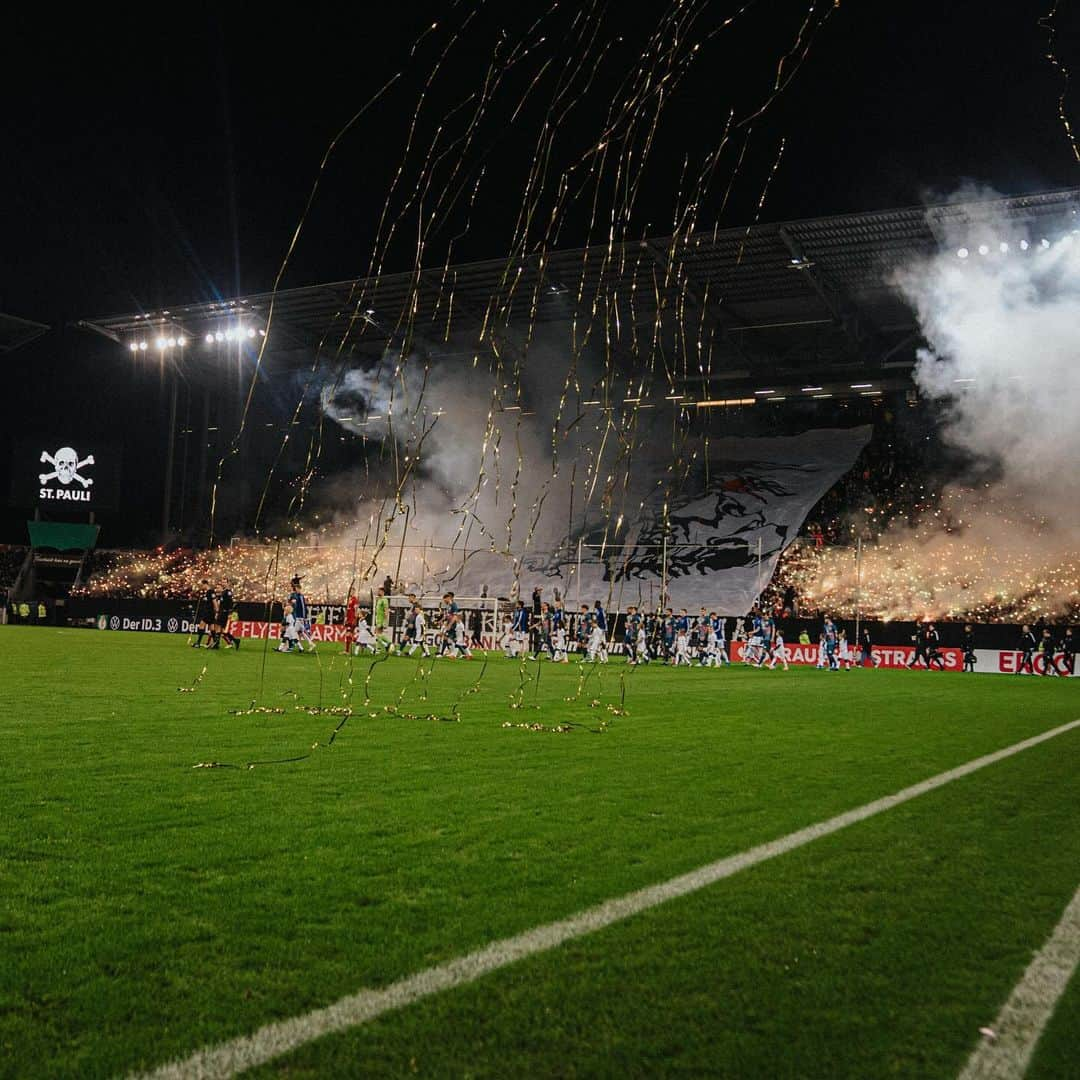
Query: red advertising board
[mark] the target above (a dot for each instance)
(886, 656)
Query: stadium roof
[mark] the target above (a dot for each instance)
(15, 332)
(803, 297)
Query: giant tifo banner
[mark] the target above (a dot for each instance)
(711, 525)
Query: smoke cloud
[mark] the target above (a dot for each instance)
(1002, 323)
(999, 308)
(496, 465)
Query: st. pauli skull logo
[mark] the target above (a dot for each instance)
(66, 466)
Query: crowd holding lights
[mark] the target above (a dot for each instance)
(951, 564)
(259, 572)
(933, 570)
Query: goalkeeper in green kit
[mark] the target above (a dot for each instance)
(381, 619)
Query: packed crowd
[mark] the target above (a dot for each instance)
(257, 571)
(893, 480)
(894, 540)
(892, 508)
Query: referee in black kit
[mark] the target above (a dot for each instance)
(969, 649)
(933, 649)
(225, 610)
(1068, 652)
(919, 637)
(1028, 645)
(204, 615)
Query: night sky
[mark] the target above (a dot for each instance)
(149, 164)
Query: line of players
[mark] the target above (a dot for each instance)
(927, 642)
(450, 638)
(1046, 646)
(679, 640)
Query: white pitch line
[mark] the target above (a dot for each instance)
(1022, 1019)
(269, 1042)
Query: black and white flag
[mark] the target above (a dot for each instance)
(712, 526)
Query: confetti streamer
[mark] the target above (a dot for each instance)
(1048, 24)
(560, 411)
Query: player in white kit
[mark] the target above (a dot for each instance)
(558, 646)
(506, 642)
(365, 639)
(597, 645)
(641, 650)
(419, 632)
(710, 649)
(779, 651)
(843, 652)
(754, 649)
(461, 638)
(290, 634)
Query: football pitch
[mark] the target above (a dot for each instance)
(150, 908)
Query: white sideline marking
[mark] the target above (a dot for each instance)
(1023, 1017)
(234, 1056)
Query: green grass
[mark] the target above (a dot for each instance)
(150, 908)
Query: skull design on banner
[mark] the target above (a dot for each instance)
(66, 466)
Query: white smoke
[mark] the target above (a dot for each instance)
(500, 457)
(999, 307)
(1002, 323)
(439, 414)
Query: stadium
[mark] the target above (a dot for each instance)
(637, 650)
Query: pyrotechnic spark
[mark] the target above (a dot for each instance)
(972, 557)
